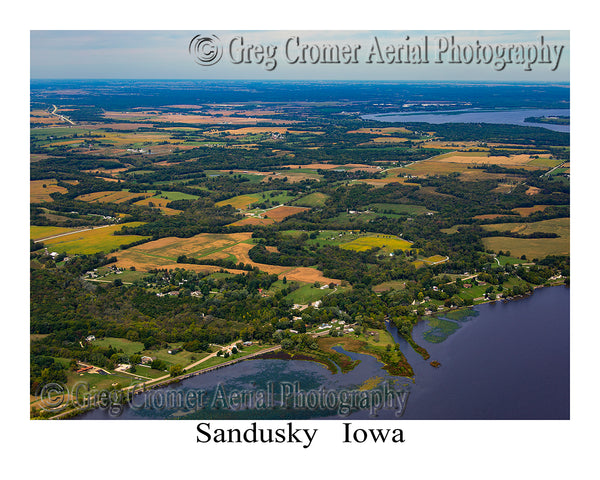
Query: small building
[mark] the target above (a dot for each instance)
(173, 351)
(146, 360)
(90, 338)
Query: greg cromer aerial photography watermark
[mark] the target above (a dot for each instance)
(56, 397)
(209, 49)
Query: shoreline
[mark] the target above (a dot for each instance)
(146, 386)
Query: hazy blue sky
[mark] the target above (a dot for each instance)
(164, 54)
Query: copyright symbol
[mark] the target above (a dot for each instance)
(206, 50)
(53, 397)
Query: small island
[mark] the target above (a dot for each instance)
(554, 120)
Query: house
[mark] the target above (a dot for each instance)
(173, 351)
(247, 344)
(90, 338)
(146, 360)
(467, 285)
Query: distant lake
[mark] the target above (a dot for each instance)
(506, 360)
(509, 117)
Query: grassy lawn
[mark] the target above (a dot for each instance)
(308, 294)
(127, 346)
(127, 276)
(211, 362)
(182, 358)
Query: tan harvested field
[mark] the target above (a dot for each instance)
(300, 274)
(252, 221)
(388, 140)
(380, 182)
(191, 119)
(108, 179)
(163, 254)
(37, 192)
(160, 203)
(482, 158)
(472, 175)
(532, 191)
(526, 211)
(443, 144)
(531, 247)
(111, 196)
(292, 176)
(490, 216)
(36, 157)
(252, 130)
(279, 213)
(112, 171)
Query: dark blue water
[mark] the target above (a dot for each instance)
(510, 117)
(504, 361)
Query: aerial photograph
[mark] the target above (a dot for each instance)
(309, 225)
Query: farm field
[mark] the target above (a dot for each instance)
(387, 242)
(38, 193)
(100, 239)
(240, 201)
(279, 213)
(560, 226)
(312, 200)
(526, 211)
(111, 196)
(252, 221)
(40, 232)
(163, 254)
(532, 247)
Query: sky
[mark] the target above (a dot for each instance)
(130, 54)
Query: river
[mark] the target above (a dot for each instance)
(505, 360)
(510, 117)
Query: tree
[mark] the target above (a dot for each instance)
(175, 370)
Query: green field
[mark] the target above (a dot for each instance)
(312, 200)
(127, 346)
(399, 208)
(100, 239)
(173, 195)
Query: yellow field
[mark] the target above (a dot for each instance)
(37, 192)
(111, 196)
(241, 201)
(100, 239)
(388, 242)
(38, 232)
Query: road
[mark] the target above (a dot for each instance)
(550, 171)
(62, 117)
